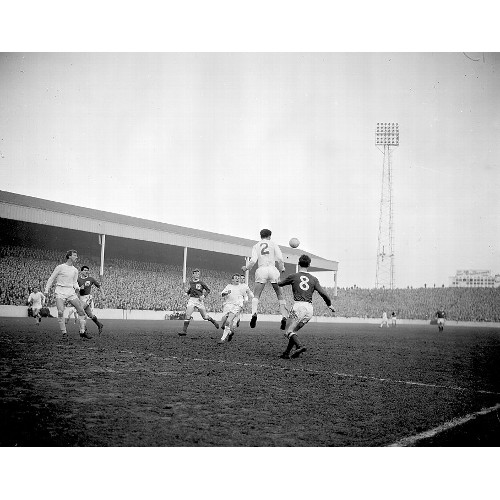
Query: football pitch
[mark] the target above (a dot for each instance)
(140, 384)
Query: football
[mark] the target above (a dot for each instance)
(294, 242)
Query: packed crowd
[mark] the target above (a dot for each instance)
(152, 286)
(460, 304)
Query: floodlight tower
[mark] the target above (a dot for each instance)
(387, 136)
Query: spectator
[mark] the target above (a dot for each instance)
(152, 286)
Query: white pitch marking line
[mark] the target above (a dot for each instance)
(411, 440)
(347, 375)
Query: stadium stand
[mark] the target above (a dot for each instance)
(132, 284)
(480, 304)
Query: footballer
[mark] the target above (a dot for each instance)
(196, 292)
(303, 286)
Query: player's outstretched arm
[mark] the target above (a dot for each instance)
(253, 260)
(76, 286)
(287, 281)
(251, 263)
(324, 296)
(279, 258)
(51, 280)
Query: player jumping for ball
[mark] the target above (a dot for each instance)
(197, 292)
(303, 287)
(266, 253)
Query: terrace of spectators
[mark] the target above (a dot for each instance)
(147, 285)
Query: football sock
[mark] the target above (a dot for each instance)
(295, 340)
(283, 310)
(255, 304)
(62, 325)
(82, 323)
(186, 324)
(288, 324)
(95, 320)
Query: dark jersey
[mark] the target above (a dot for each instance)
(440, 314)
(196, 289)
(86, 285)
(303, 286)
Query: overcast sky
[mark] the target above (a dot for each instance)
(235, 142)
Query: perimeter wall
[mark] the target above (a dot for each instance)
(22, 312)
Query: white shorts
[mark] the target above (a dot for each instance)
(66, 293)
(70, 311)
(87, 301)
(267, 273)
(302, 311)
(196, 303)
(237, 316)
(231, 308)
(440, 321)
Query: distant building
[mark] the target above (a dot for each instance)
(473, 278)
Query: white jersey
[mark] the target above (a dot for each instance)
(235, 297)
(246, 293)
(38, 299)
(67, 277)
(266, 253)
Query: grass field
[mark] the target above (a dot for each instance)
(140, 384)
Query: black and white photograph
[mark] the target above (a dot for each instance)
(231, 253)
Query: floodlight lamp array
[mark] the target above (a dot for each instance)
(387, 134)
